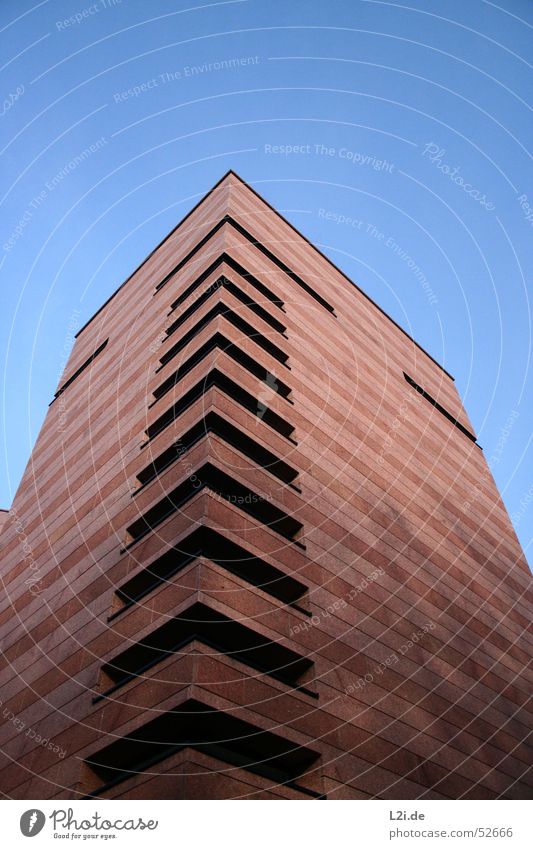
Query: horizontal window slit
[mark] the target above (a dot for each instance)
(211, 544)
(189, 256)
(203, 623)
(285, 268)
(234, 436)
(81, 369)
(237, 321)
(224, 283)
(261, 248)
(437, 406)
(210, 477)
(215, 378)
(274, 384)
(195, 725)
(226, 259)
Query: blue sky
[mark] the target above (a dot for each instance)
(367, 124)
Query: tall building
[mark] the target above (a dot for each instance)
(257, 551)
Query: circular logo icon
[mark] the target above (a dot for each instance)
(32, 822)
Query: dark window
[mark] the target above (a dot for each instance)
(437, 406)
(234, 391)
(224, 283)
(236, 266)
(210, 477)
(208, 543)
(191, 253)
(260, 247)
(213, 423)
(81, 369)
(202, 623)
(229, 348)
(237, 321)
(285, 268)
(219, 734)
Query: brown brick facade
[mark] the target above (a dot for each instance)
(257, 551)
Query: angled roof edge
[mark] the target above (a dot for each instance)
(339, 270)
(162, 242)
(231, 172)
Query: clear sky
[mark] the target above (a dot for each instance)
(408, 123)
